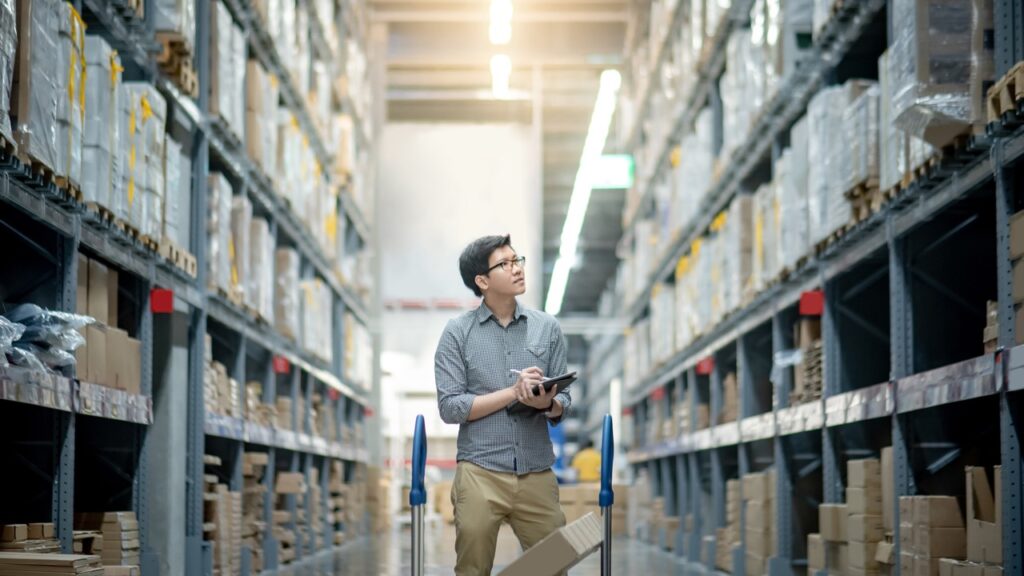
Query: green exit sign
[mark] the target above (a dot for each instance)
(613, 171)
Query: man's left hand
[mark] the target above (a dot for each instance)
(542, 401)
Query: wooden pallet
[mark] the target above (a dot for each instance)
(179, 257)
(149, 243)
(175, 60)
(861, 198)
(7, 146)
(71, 189)
(39, 170)
(100, 211)
(1006, 94)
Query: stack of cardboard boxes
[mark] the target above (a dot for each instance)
(865, 526)
(377, 486)
(337, 489)
(316, 506)
(833, 523)
(109, 358)
(807, 374)
(1017, 255)
(580, 499)
(222, 525)
(728, 538)
(120, 530)
(254, 492)
(730, 399)
(255, 410)
(760, 534)
(288, 486)
(931, 528)
(984, 528)
(35, 538)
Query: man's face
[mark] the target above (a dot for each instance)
(507, 277)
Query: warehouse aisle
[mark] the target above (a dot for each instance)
(388, 555)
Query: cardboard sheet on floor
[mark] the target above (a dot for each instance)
(561, 550)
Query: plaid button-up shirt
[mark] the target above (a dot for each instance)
(474, 357)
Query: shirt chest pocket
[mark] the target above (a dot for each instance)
(540, 356)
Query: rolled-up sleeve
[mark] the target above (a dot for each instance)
(453, 400)
(558, 363)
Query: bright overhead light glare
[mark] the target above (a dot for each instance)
(501, 70)
(501, 22)
(597, 134)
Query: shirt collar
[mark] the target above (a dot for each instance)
(483, 313)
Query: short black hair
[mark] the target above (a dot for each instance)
(476, 257)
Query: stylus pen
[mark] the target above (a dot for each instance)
(536, 388)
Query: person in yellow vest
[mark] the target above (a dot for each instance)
(587, 463)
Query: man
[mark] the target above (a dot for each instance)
(486, 360)
(587, 463)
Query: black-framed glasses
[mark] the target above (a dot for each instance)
(507, 265)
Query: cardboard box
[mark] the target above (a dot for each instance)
(838, 557)
(96, 353)
(757, 487)
(759, 542)
(984, 516)
(117, 361)
(756, 564)
(760, 514)
(290, 483)
(40, 531)
(866, 473)
(113, 289)
(14, 533)
(936, 542)
(885, 553)
(906, 562)
(937, 512)
(864, 528)
(906, 536)
(1017, 235)
(131, 379)
(888, 490)
(832, 522)
(99, 287)
(864, 501)
(862, 555)
(561, 550)
(925, 566)
(815, 552)
(82, 307)
(990, 570)
(907, 509)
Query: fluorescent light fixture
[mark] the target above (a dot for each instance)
(613, 172)
(501, 22)
(501, 70)
(597, 134)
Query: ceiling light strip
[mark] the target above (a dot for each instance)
(597, 134)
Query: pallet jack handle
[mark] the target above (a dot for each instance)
(606, 497)
(418, 493)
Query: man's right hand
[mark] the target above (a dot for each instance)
(528, 378)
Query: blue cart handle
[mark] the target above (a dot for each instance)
(418, 492)
(607, 495)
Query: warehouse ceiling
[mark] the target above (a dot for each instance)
(438, 70)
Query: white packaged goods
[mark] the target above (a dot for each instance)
(343, 139)
(693, 176)
(931, 71)
(237, 71)
(146, 133)
(892, 162)
(241, 223)
(358, 352)
(176, 16)
(786, 27)
(320, 97)
(316, 315)
(662, 323)
(286, 292)
(299, 65)
(101, 165)
(219, 232)
(261, 270)
(35, 102)
(178, 204)
(859, 160)
(765, 226)
(736, 245)
(8, 51)
(261, 117)
(70, 95)
(739, 88)
(227, 65)
(791, 176)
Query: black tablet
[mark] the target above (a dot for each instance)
(558, 382)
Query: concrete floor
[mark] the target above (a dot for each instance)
(388, 555)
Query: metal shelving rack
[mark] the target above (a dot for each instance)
(78, 453)
(904, 304)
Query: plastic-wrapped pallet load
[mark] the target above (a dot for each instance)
(178, 204)
(260, 117)
(219, 232)
(71, 95)
(791, 173)
(35, 95)
(861, 130)
(343, 137)
(316, 314)
(662, 324)
(737, 240)
(8, 51)
(766, 211)
(932, 72)
(237, 71)
(693, 175)
(261, 269)
(150, 182)
(100, 164)
(227, 55)
(176, 16)
(241, 220)
(739, 98)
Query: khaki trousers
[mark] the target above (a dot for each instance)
(484, 499)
